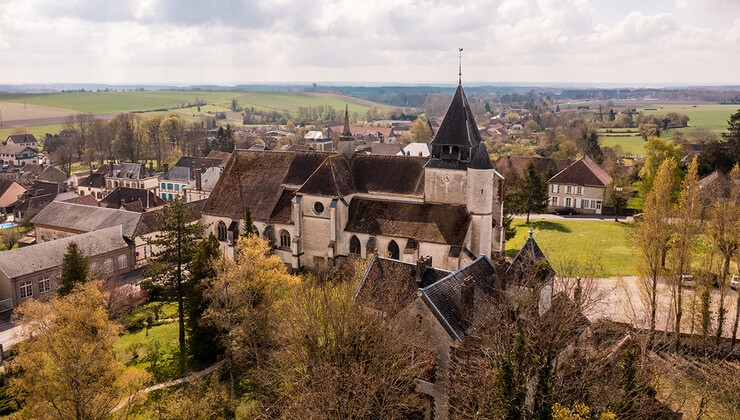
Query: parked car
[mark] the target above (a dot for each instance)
(566, 210)
(688, 280)
(735, 281)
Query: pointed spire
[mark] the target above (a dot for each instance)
(347, 132)
(459, 66)
(531, 230)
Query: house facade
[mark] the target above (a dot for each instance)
(579, 186)
(34, 271)
(22, 140)
(132, 175)
(315, 206)
(18, 155)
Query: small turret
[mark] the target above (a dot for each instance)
(346, 140)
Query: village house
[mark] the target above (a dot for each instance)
(317, 140)
(440, 309)
(132, 199)
(367, 134)
(9, 192)
(580, 186)
(61, 219)
(18, 155)
(205, 181)
(173, 181)
(94, 185)
(34, 271)
(22, 140)
(35, 198)
(133, 175)
(512, 167)
(314, 207)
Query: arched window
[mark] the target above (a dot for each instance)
(284, 239)
(393, 251)
(355, 248)
(221, 231)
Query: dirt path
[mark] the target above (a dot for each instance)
(190, 378)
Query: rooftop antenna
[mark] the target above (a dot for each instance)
(459, 66)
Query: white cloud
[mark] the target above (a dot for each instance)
(224, 41)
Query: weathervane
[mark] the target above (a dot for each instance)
(459, 64)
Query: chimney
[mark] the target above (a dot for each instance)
(198, 179)
(467, 298)
(508, 160)
(421, 267)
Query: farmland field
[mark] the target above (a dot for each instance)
(37, 131)
(632, 144)
(113, 102)
(707, 116)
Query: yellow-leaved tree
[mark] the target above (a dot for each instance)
(67, 368)
(652, 235)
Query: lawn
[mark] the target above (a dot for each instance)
(115, 102)
(632, 145)
(581, 241)
(165, 335)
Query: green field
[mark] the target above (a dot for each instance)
(115, 102)
(631, 144)
(38, 131)
(581, 241)
(706, 116)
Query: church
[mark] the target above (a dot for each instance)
(314, 207)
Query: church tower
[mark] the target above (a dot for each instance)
(346, 140)
(460, 172)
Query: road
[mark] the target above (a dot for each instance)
(589, 217)
(621, 299)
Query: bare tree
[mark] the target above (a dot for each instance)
(8, 237)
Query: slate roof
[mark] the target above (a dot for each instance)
(87, 200)
(513, 166)
(94, 180)
(126, 195)
(52, 174)
(584, 172)
(444, 298)
(131, 171)
(389, 285)
(15, 149)
(81, 218)
(479, 158)
(376, 148)
(444, 224)
(217, 154)
(416, 149)
(33, 168)
(333, 178)
(458, 127)
(45, 255)
(193, 162)
(21, 138)
(178, 173)
(208, 179)
(381, 174)
(530, 262)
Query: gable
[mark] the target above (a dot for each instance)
(584, 172)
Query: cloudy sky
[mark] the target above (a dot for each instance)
(629, 42)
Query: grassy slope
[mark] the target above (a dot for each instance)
(633, 145)
(113, 102)
(38, 131)
(582, 241)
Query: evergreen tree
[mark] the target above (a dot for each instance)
(249, 227)
(530, 195)
(176, 242)
(199, 334)
(75, 269)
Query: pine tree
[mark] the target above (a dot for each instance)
(75, 269)
(199, 334)
(530, 195)
(176, 242)
(249, 228)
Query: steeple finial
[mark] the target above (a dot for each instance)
(459, 66)
(347, 131)
(531, 230)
